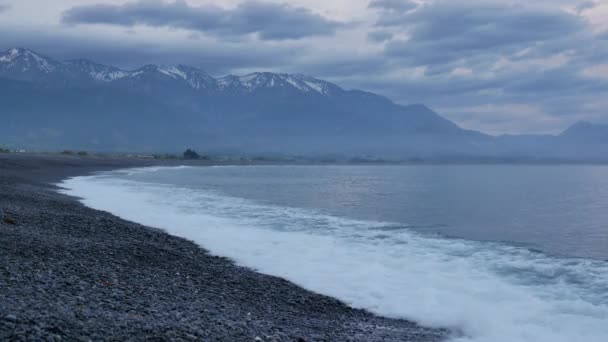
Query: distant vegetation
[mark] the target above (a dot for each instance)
(191, 154)
(4, 150)
(73, 153)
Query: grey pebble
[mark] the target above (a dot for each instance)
(73, 273)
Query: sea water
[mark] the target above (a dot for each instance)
(493, 253)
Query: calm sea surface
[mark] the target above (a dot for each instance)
(557, 209)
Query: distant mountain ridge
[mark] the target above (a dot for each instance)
(50, 104)
(25, 65)
(587, 131)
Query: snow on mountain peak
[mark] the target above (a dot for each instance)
(195, 78)
(259, 80)
(227, 81)
(9, 56)
(26, 60)
(98, 72)
(249, 82)
(173, 72)
(147, 69)
(18, 60)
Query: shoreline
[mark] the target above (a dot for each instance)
(68, 272)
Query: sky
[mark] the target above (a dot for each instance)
(498, 66)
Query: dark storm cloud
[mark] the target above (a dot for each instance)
(271, 21)
(445, 31)
(393, 5)
(510, 54)
(561, 93)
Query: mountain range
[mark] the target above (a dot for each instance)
(51, 105)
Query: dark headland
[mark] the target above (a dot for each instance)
(70, 273)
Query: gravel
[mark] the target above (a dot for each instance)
(70, 273)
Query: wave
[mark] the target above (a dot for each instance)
(147, 169)
(485, 291)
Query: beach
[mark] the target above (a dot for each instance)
(68, 272)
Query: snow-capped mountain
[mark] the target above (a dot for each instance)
(196, 78)
(266, 80)
(24, 60)
(81, 103)
(188, 76)
(23, 64)
(95, 71)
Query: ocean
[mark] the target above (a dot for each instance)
(492, 252)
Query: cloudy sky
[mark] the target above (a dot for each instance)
(500, 66)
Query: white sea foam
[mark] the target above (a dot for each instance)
(489, 292)
(148, 169)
